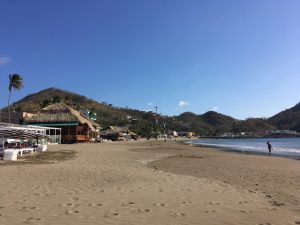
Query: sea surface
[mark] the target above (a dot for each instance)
(286, 147)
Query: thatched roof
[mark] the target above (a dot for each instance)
(119, 129)
(60, 113)
(113, 130)
(109, 132)
(95, 124)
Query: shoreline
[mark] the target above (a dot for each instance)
(240, 151)
(245, 171)
(243, 152)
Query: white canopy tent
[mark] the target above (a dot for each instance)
(6, 132)
(19, 133)
(53, 133)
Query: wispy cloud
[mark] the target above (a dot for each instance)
(215, 108)
(149, 104)
(183, 103)
(4, 59)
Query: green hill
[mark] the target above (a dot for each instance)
(287, 119)
(106, 114)
(209, 123)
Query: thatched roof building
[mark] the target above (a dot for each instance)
(74, 124)
(116, 133)
(59, 114)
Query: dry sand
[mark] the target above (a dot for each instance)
(149, 183)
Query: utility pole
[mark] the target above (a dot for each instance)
(156, 117)
(156, 123)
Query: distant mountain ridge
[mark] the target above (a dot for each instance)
(209, 123)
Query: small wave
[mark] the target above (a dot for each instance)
(251, 148)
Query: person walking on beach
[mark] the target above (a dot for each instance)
(270, 148)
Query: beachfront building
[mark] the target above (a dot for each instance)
(75, 127)
(116, 133)
(53, 133)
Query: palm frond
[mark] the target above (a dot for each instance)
(15, 82)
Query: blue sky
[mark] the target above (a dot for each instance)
(240, 58)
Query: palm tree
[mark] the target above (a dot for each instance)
(16, 83)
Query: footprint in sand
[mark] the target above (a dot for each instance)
(94, 204)
(178, 214)
(30, 219)
(161, 204)
(243, 211)
(70, 212)
(68, 205)
(39, 194)
(20, 201)
(264, 224)
(243, 202)
(186, 202)
(210, 211)
(141, 210)
(25, 208)
(297, 222)
(75, 199)
(127, 203)
(36, 187)
(76, 190)
(214, 203)
(107, 215)
(274, 209)
(275, 203)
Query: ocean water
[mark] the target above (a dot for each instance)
(287, 147)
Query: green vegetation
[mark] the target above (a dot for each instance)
(144, 123)
(287, 119)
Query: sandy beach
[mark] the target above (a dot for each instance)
(149, 182)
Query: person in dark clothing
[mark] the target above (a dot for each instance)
(270, 148)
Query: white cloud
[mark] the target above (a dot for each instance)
(4, 59)
(215, 108)
(150, 104)
(183, 103)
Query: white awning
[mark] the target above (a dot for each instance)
(6, 132)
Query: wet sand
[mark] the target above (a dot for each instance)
(149, 183)
(278, 178)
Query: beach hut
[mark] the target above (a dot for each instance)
(75, 127)
(108, 134)
(117, 133)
